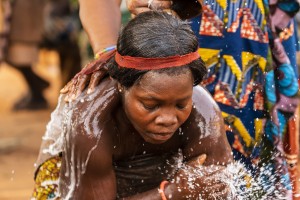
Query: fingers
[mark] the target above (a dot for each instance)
(160, 5)
(171, 12)
(76, 86)
(95, 79)
(66, 88)
(201, 159)
(137, 11)
(219, 191)
(198, 161)
(71, 89)
(216, 185)
(138, 6)
(81, 85)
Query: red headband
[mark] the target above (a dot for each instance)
(141, 63)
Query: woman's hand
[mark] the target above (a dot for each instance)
(195, 181)
(90, 75)
(93, 72)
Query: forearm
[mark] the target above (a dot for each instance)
(174, 192)
(154, 194)
(101, 19)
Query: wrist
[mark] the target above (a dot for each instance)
(174, 192)
(177, 191)
(161, 190)
(104, 50)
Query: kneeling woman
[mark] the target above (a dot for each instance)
(148, 132)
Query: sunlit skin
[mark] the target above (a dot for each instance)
(159, 114)
(155, 110)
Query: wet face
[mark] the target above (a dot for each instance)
(159, 104)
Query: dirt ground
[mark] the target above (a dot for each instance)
(20, 132)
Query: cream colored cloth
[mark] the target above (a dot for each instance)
(5, 13)
(26, 27)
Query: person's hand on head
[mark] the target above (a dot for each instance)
(90, 75)
(136, 7)
(181, 8)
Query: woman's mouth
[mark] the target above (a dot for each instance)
(161, 136)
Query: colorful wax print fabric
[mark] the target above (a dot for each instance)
(47, 180)
(234, 39)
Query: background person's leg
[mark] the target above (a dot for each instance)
(23, 56)
(34, 99)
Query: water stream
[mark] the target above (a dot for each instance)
(242, 183)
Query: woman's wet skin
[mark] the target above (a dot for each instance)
(160, 114)
(151, 112)
(158, 108)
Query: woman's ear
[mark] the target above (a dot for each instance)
(120, 88)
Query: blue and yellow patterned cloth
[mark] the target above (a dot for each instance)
(234, 42)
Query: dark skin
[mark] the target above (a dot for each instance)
(145, 119)
(103, 33)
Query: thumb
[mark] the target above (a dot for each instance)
(198, 161)
(201, 159)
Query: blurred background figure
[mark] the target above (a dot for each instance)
(21, 52)
(28, 26)
(5, 12)
(24, 36)
(62, 27)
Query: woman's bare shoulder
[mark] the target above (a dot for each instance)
(206, 117)
(204, 102)
(107, 86)
(91, 112)
(90, 123)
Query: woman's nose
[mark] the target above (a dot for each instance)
(166, 119)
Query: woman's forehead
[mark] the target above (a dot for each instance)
(154, 81)
(163, 75)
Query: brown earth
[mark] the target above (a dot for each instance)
(21, 132)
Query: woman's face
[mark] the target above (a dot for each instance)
(159, 104)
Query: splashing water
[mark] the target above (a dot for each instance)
(241, 182)
(89, 119)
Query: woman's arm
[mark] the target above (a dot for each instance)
(186, 186)
(87, 169)
(206, 131)
(101, 19)
(205, 135)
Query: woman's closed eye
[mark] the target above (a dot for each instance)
(150, 107)
(181, 106)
